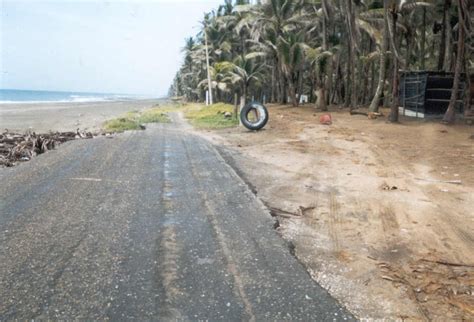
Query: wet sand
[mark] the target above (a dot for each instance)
(44, 117)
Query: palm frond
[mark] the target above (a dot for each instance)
(373, 32)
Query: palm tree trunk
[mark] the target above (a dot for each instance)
(423, 39)
(451, 111)
(368, 80)
(395, 97)
(278, 85)
(360, 69)
(448, 51)
(324, 32)
(372, 83)
(377, 99)
(299, 90)
(284, 90)
(321, 99)
(320, 89)
(328, 83)
(243, 99)
(347, 97)
(335, 85)
(312, 86)
(365, 83)
(407, 52)
(292, 90)
(272, 96)
(342, 92)
(282, 85)
(350, 19)
(374, 105)
(236, 105)
(442, 45)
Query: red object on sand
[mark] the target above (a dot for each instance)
(325, 119)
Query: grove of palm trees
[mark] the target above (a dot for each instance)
(380, 215)
(337, 52)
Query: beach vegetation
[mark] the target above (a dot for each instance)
(154, 115)
(121, 124)
(134, 120)
(216, 116)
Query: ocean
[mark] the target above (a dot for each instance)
(29, 96)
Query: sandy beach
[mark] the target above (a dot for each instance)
(44, 117)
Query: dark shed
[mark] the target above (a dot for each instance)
(426, 93)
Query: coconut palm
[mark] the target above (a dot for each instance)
(320, 59)
(350, 49)
(463, 27)
(242, 71)
(290, 48)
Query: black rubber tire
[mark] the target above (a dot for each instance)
(263, 116)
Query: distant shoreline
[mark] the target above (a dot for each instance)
(66, 116)
(74, 102)
(22, 96)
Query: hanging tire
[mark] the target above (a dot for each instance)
(254, 116)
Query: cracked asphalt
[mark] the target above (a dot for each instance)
(147, 225)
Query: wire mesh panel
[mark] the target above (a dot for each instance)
(426, 93)
(412, 93)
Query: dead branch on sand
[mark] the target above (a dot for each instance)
(282, 213)
(443, 262)
(440, 181)
(15, 147)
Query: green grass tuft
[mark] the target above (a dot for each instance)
(199, 115)
(154, 115)
(211, 117)
(121, 124)
(132, 120)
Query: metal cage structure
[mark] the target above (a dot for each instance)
(425, 94)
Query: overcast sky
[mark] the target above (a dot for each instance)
(110, 46)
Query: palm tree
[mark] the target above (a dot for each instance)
(305, 45)
(397, 8)
(463, 26)
(353, 48)
(242, 71)
(272, 21)
(291, 51)
(219, 81)
(375, 103)
(320, 59)
(188, 49)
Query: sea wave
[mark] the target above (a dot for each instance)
(75, 99)
(15, 96)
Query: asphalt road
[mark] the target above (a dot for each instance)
(146, 225)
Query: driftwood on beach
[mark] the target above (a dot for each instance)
(15, 147)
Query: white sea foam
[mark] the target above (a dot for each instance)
(76, 99)
(49, 97)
